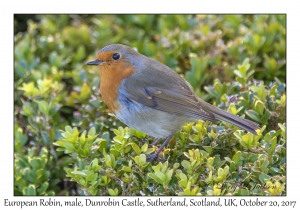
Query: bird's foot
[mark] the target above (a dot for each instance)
(154, 143)
(151, 158)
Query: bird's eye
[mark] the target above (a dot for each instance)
(116, 56)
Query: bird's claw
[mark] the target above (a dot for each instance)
(151, 158)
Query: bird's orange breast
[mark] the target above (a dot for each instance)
(112, 74)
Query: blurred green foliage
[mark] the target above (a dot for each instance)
(236, 62)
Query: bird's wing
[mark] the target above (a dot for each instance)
(177, 100)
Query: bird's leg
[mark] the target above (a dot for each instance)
(154, 143)
(150, 158)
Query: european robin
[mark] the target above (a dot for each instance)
(150, 97)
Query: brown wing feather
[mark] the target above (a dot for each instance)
(178, 100)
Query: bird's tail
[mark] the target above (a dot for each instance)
(245, 124)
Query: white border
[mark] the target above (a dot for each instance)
(154, 6)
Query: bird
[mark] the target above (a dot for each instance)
(148, 96)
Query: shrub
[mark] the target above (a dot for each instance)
(68, 143)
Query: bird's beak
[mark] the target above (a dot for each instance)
(94, 62)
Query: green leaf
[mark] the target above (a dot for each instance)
(266, 116)
(212, 92)
(264, 166)
(261, 91)
(264, 178)
(161, 176)
(154, 177)
(246, 62)
(30, 190)
(29, 89)
(136, 148)
(69, 146)
(68, 129)
(236, 158)
(35, 163)
(169, 174)
(186, 164)
(259, 107)
(127, 169)
(113, 192)
(92, 132)
(142, 159)
(182, 176)
(208, 149)
(283, 128)
(232, 166)
(273, 91)
(232, 108)
(253, 115)
(43, 107)
(45, 136)
(144, 148)
(81, 173)
(245, 192)
(95, 162)
(274, 144)
(27, 110)
(102, 145)
(43, 188)
(238, 73)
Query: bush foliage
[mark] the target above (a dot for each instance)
(68, 143)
